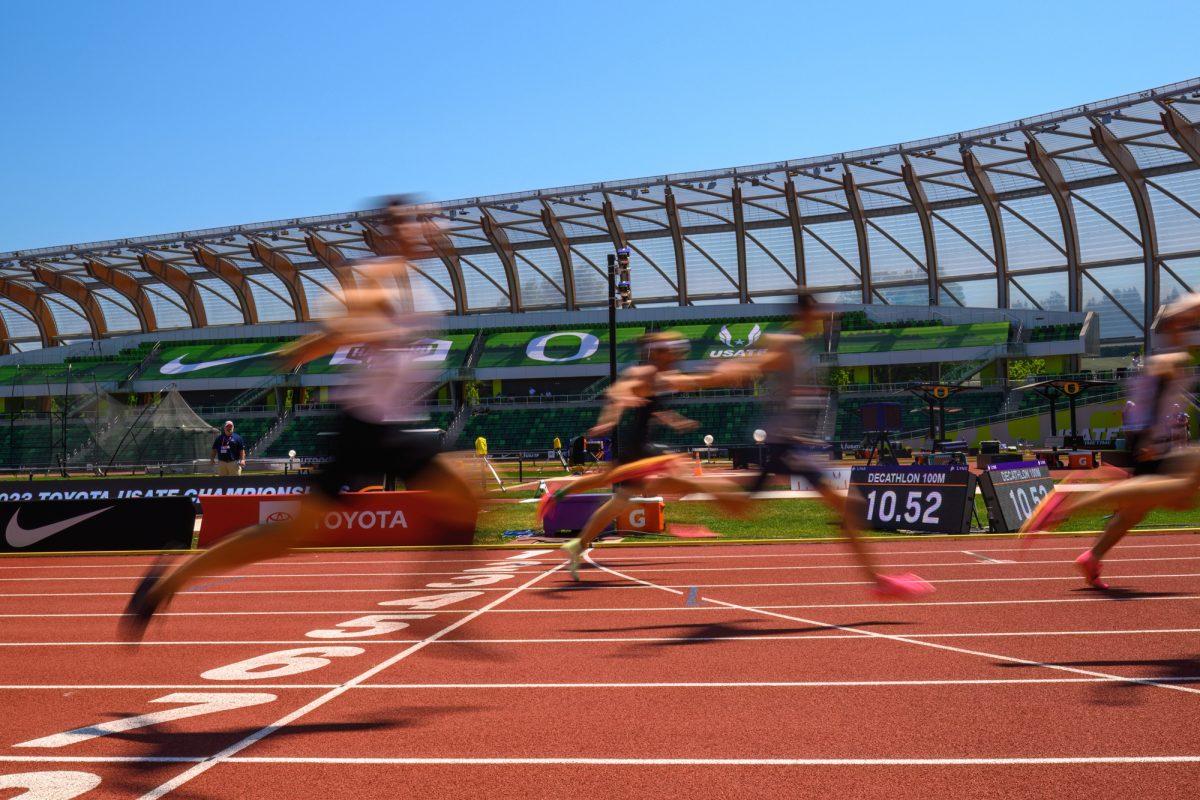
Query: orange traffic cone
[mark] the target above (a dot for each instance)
(697, 470)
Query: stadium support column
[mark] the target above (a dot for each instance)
(446, 251)
(793, 207)
(1121, 160)
(563, 249)
(921, 203)
(126, 285)
(612, 329)
(677, 242)
(860, 229)
(5, 345)
(36, 305)
(504, 250)
(739, 232)
(232, 275)
(1052, 176)
(991, 206)
(180, 281)
(77, 291)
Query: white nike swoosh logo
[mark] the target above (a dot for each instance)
(176, 366)
(23, 537)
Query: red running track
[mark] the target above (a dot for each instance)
(673, 672)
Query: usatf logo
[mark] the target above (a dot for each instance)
(736, 344)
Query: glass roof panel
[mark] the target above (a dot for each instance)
(1124, 283)
(703, 277)
(889, 261)
(221, 306)
(972, 294)
(1176, 224)
(1048, 289)
(821, 242)
(587, 261)
(645, 281)
(482, 293)
(540, 289)
(1099, 238)
(117, 317)
(764, 272)
(270, 308)
(960, 234)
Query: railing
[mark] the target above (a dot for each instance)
(1005, 416)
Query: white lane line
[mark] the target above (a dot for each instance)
(644, 609)
(621, 587)
(235, 748)
(613, 684)
(612, 762)
(255, 575)
(980, 560)
(582, 640)
(910, 640)
(638, 556)
(990, 560)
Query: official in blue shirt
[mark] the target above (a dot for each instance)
(229, 452)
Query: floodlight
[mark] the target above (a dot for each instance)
(708, 440)
(291, 453)
(760, 436)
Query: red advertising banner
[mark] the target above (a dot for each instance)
(362, 519)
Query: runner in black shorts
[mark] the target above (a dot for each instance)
(377, 408)
(798, 399)
(634, 406)
(1165, 474)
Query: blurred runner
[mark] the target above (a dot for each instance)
(1166, 474)
(635, 405)
(385, 394)
(797, 398)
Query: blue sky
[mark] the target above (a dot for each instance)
(132, 118)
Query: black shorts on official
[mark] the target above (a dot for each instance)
(369, 448)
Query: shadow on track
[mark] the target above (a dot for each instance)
(1124, 593)
(1184, 671)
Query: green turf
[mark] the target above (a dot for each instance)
(937, 337)
(773, 519)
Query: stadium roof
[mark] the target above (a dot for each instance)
(1095, 207)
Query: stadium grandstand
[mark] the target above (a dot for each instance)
(1050, 241)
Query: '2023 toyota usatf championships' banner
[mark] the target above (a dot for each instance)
(72, 526)
(127, 488)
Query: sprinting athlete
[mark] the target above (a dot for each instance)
(797, 399)
(382, 397)
(634, 406)
(1165, 474)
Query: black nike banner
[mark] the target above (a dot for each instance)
(72, 526)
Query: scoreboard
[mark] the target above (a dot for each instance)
(927, 498)
(1011, 492)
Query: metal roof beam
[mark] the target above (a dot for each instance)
(233, 277)
(180, 281)
(1121, 160)
(797, 224)
(279, 266)
(1052, 176)
(739, 233)
(499, 240)
(676, 230)
(332, 259)
(558, 238)
(916, 193)
(991, 205)
(1183, 132)
(860, 230)
(126, 285)
(36, 305)
(77, 291)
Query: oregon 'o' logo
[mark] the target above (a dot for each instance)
(1070, 387)
(588, 345)
(941, 392)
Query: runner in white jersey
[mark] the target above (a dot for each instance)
(391, 379)
(1165, 473)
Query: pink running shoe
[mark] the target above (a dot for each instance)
(902, 587)
(1089, 567)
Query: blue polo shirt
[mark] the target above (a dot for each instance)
(229, 448)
